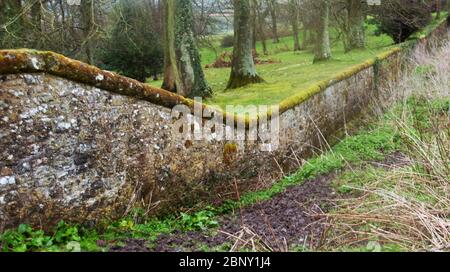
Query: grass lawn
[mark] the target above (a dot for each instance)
(294, 73)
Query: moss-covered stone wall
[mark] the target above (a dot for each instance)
(85, 145)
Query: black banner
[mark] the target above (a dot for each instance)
(220, 262)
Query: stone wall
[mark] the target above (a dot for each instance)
(84, 145)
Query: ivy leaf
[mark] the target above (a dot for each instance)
(23, 228)
(21, 248)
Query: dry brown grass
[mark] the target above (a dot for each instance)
(408, 207)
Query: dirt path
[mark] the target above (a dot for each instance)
(277, 224)
(280, 224)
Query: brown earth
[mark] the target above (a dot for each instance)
(277, 224)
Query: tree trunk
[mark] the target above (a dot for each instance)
(36, 25)
(88, 20)
(273, 15)
(63, 25)
(183, 70)
(355, 21)
(262, 35)
(438, 9)
(243, 71)
(254, 6)
(323, 50)
(305, 38)
(170, 63)
(294, 21)
(260, 27)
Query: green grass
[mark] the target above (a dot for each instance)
(430, 27)
(294, 73)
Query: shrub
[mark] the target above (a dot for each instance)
(401, 18)
(227, 41)
(133, 48)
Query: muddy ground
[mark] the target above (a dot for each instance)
(277, 224)
(286, 221)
